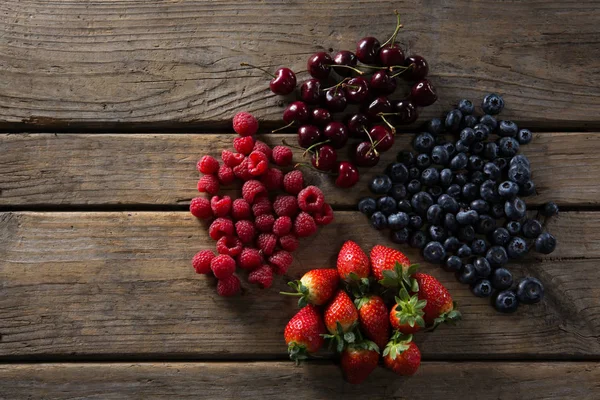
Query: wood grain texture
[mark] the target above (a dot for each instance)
(159, 169)
(276, 380)
(176, 63)
(114, 285)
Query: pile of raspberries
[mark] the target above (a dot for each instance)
(258, 232)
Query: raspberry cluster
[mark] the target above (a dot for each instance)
(258, 231)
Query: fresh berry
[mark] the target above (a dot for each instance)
(531, 228)
(381, 184)
(241, 171)
(201, 261)
(208, 165)
(550, 209)
(530, 290)
(220, 227)
(229, 245)
(492, 104)
(225, 175)
(272, 179)
(282, 226)
(467, 274)
(324, 216)
(249, 259)
(482, 288)
(281, 261)
(418, 68)
(373, 318)
(367, 206)
(434, 252)
(310, 91)
(262, 205)
(282, 156)
(524, 136)
(293, 182)
(545, 243)
(483, 269)
(517, 247)
(324, 158)
(406, 316)
(209, 184)
(243, 145)
(352, 262)
(289, 243)
(245, 231)
(245, 124)
(336, 133)
(262, 276)
(319, 65)
(453, 264)
(316, 287)
(340, 312)
(347, 175)
(285, 206)
(266, 242)
(258, 163)
(439, 307)
(240, 209)
(304, 225)
(303, 334)
(222, 266)
(221, 206)
(358, 360)
(264, 148)
(402, 355)
(264, 223)
(308, 135)
(231, 159)
(423, 93)
(379, 220)
(228, 286)
(501, 279)
(251, 189)
(200, 208)
(385, 259)
(311, 199)
(506, 301)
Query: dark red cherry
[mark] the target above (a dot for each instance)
(381, 104)
(418, 68)
(357, 90)
(347, 175)
(336, 133)
(345, 58)
(308, 135)
(423, 93)
(357, 124)
(391, 55)
(406, 112)
(319, 65)
(383, 83)
(365, 155)
(320, 117)
(382, 137)
(324, 158)
(335, 99)
(296, 112)
(310, 91)
(367, 49)
(284, 81)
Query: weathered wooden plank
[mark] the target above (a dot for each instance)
(65, 170)
(275, 380)
(98, 65)
(120, 284)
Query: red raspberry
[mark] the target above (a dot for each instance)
(249, 259)
(325, 216)
(201, 261)
(293, 182)
(231, 159)
(258, 163)
(208, 165)
(272, 179)
(262, 276)
(229, 245)
(208, 184)
(285, 205)
(222, 266)
(220, 227)
(240, 209)
(225, 175)
(243, 145)
(251, 189)
(200, 208)
(281, 261)
(304, 225)
(266, 242)
(289, 242)
(241, 171)
(245, 124)
(221, 206)
(229, 286)
(262, 205)
(282, 155)
(282, 226)
(311, 199)
(264, 223)
(245, 231)
(263, 148)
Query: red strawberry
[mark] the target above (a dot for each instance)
(316, 286)
(392, 268)
(352, 262)
(303, 334)
(401, 355)
(440, 307)
(341, 315)
(407, 314)
(373, 317)
(359, 360)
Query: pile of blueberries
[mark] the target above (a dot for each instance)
(459, 200)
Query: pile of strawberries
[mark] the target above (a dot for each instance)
(367, 309)
(258, 232)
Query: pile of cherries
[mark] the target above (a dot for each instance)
(361, 84)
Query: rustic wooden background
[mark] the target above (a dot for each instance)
(106, 106)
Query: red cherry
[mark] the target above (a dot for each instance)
(379, 105)
(357, 124)
(347, 175)
(296, 112)
(357, 90)
(335, 100)
(310, 91)
(383, 83)
(367, 49)
(337, 133)
(423, 93)
(365, 155)
(406, 112)
(319, 65)
(320, 117)
(345, 58)
(418, 68)
(308, 135)
(324, 158)
(284, 81)
(382, 137)
(391, 55)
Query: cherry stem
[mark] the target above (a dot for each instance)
(305, 165)
(373, 144)
(358, 71)
(283, 127)
(291, 145)
(403, 68)
(388, 124)
(336, 85)
(398, 27)
(259, 68)
(309, 150)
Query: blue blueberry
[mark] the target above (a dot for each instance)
(519, 173)
(508, 190)
(448, 202)
(430, 176)
(531, 228)
(367, 206)
(492, 104)
(482, 288)
(404, 206)
(530, 290)
(545, 243)
(398, 221)
(466, 107)
(483, 269)
(501, 163)
(450, 148)
(497, 256)
(475, 163)
(423, 161)
(500, 237)
(508, 146)
(517, 247)
(464, 251)
(437, 233)
(418, 239)
(467, 217)
(501, 279)
(435, 213)
(481, 206)
(434, 252)
(416, 222)
(469, 121)
(491, 151)
(467, 274)
(506, 302)
(461, 147)
(520, 159)
(398, 192)
(435, 192)
(439, 155)
(400, 236)
(451, 244)
(461, 179)
(515, 209)
(380, 184)
(478, 246)
(477, 148)
(397, 172)
(485, 225)
(507, 129)
(497, 210)
(414, 172)
(466, 233)
(467, 136)
(491, 171)
(414, 186)
(453, 264)
(470, 191)
(524, 136)
(550, 209)
(527, 189)
(481, 132)
(453, 119)
(477, 177)
(446, 177)
(488, 192)
(435, 126)
(454, 190)
(424, 142)
(406, 157)
(379, 220)
(489, 121)
(421, 202)
(513, 227)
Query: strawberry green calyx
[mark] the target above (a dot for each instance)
(342, 339)
(398, 344)
(409, 309)
(301, 291)
(364, 345)
(401, 278)
(297, 352)
(451, 317)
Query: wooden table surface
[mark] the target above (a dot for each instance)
(106, 106)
